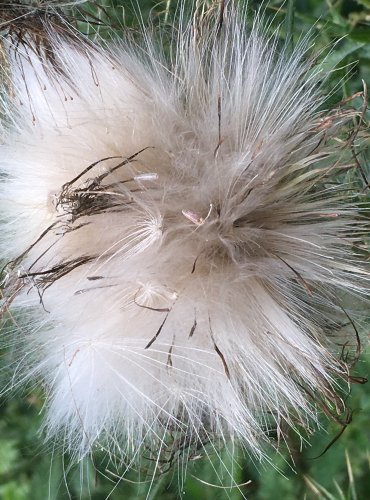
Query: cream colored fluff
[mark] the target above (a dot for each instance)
(194, 296)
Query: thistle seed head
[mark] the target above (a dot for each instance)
(183, 232)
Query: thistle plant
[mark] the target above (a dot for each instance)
(181, 234)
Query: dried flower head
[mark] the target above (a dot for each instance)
(181, 233)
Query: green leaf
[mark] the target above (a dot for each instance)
(365, 3)
(8, 455)
(15, 490)
(335, 57)
(360, 34)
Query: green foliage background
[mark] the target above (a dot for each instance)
(30, 470)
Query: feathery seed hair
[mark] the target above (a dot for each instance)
(181, 235)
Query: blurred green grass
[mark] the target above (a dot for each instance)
(30, 470)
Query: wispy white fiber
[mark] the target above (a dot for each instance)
(179, 237)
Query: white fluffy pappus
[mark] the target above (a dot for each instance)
(179, 237)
